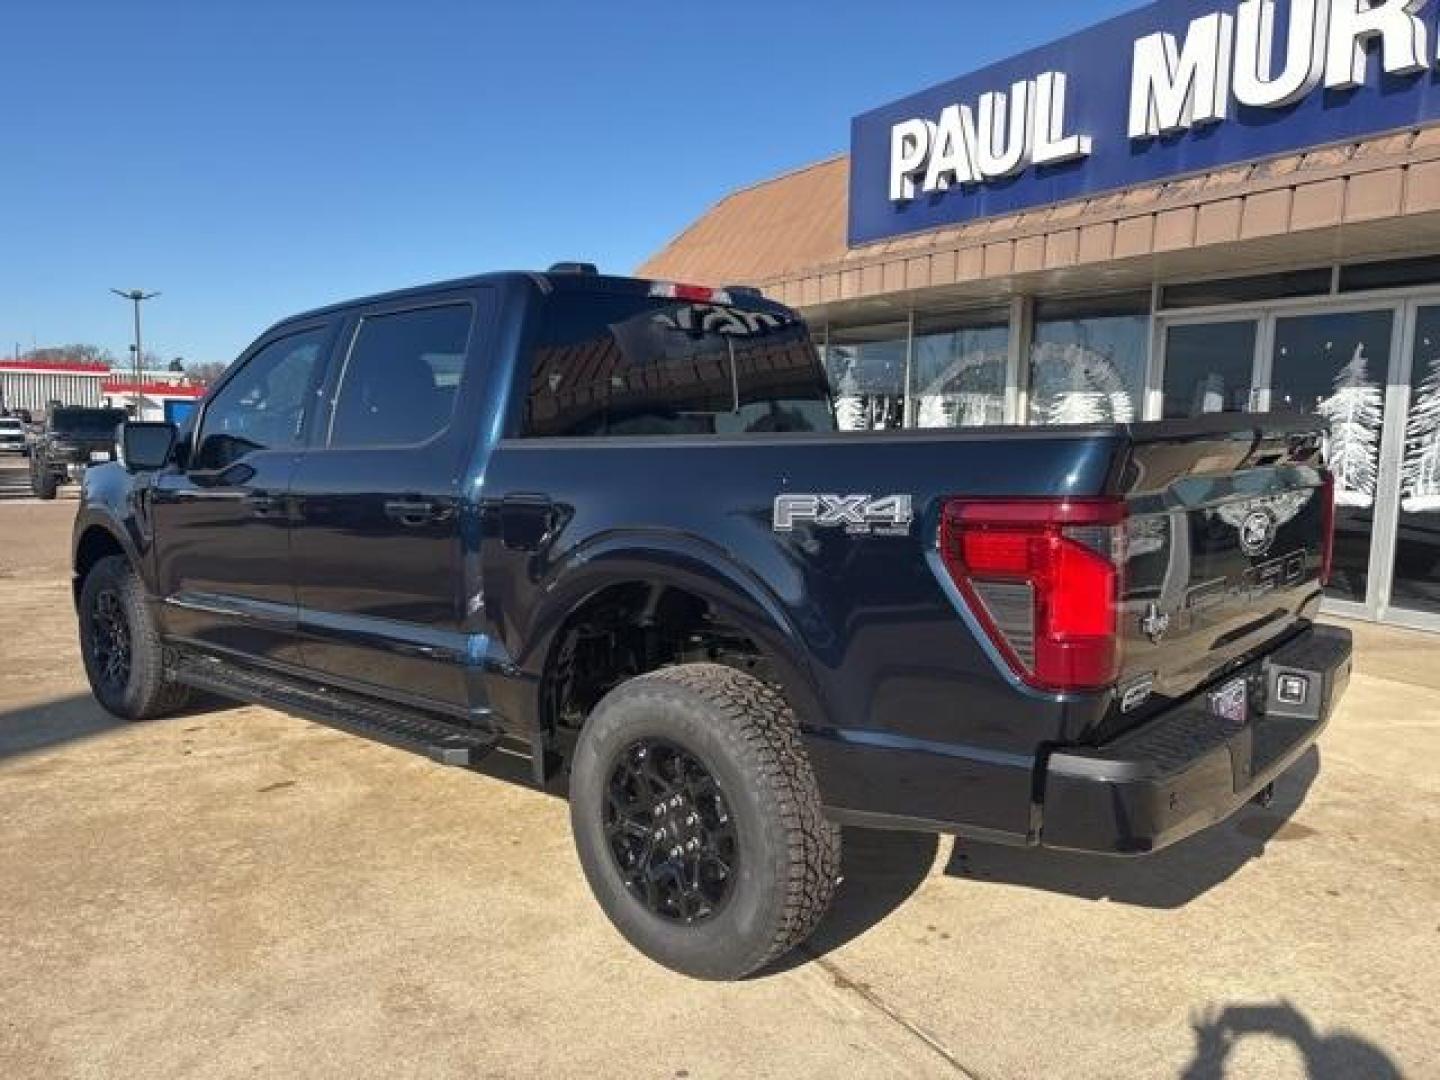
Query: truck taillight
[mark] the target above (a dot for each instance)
(1327, 549)
(1044, 578)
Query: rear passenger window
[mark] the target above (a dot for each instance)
(402, 377)
(617, 364)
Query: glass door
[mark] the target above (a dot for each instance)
(1337, 364)
(1415, 576)
(1208, 367)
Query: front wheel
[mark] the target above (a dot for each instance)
(698, 822)
(124, 659)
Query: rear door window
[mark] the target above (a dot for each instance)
(402, 377)
(612, 364)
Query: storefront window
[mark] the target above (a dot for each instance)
(1087, 362)
(959, 376)
(1335, 364)
(1417, 544)
(1208, 368)
(866, 366)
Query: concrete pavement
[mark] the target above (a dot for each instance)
(236, 892)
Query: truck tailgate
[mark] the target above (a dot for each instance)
(1225, 551)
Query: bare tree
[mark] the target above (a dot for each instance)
(205, 372)
(79, 353)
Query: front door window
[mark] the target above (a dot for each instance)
(1335, 364)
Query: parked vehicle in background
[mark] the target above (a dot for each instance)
(610, 522)
(12, 435)
(72, 440)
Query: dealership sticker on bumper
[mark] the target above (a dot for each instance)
(1231, 702)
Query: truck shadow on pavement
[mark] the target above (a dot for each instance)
(32, 728)
(879, 872)
(1333, 1055)
(1167, 879)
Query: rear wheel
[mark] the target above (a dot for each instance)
(698, 821)
(124, 659)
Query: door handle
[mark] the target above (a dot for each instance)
(263, 505)
(414, 512)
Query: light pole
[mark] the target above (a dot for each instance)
(135, 296)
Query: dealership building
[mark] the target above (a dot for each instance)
(1200, 206)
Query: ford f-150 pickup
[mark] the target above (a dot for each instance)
(610, 523)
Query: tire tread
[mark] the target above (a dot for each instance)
(760, 715)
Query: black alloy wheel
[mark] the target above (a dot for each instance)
(110, 640)
(120, 643)
(670, 831)
(698, 821)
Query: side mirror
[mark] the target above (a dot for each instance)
(146, 445)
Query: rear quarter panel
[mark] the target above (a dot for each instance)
(878, 657)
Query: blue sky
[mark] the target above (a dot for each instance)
(254, 159)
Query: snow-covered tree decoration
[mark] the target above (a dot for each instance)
(1092, 392)
(1078, 407)
(932, 412)
(1420, 479)
(1355, 412)
(849, 406)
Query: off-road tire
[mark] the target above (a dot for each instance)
(745, 735)
(146, 693)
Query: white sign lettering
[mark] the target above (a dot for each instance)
(1177, 83)
(1173, 88)
(1255, 83)
(1002, 135)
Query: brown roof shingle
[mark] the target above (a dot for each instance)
(764, 231)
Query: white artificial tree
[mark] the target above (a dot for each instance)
(932, 412)
(849, 406)
(1077, 407)
(1355, 412)
(1420, 479)
(1095, 393)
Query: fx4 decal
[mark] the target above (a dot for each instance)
(859, 515)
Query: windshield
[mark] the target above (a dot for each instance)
(86, 421)
(612, 364)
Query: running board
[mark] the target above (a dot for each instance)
(394, 725)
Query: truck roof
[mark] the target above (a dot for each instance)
(551, 281)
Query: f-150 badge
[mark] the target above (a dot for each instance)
(859, 515)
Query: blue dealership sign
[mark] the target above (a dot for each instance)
(1177, 87)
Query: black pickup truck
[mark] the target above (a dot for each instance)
(610, 523)
(74, 438)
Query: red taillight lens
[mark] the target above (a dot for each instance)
(695, 294)
(1044, 579)
(1327, 556)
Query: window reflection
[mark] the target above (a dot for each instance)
(1335, 364)
(960, 370)
(1208, 368)
(1087, 363)
(1417, 546)
(866, 366)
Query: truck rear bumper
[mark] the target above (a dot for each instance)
(1191, 767)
